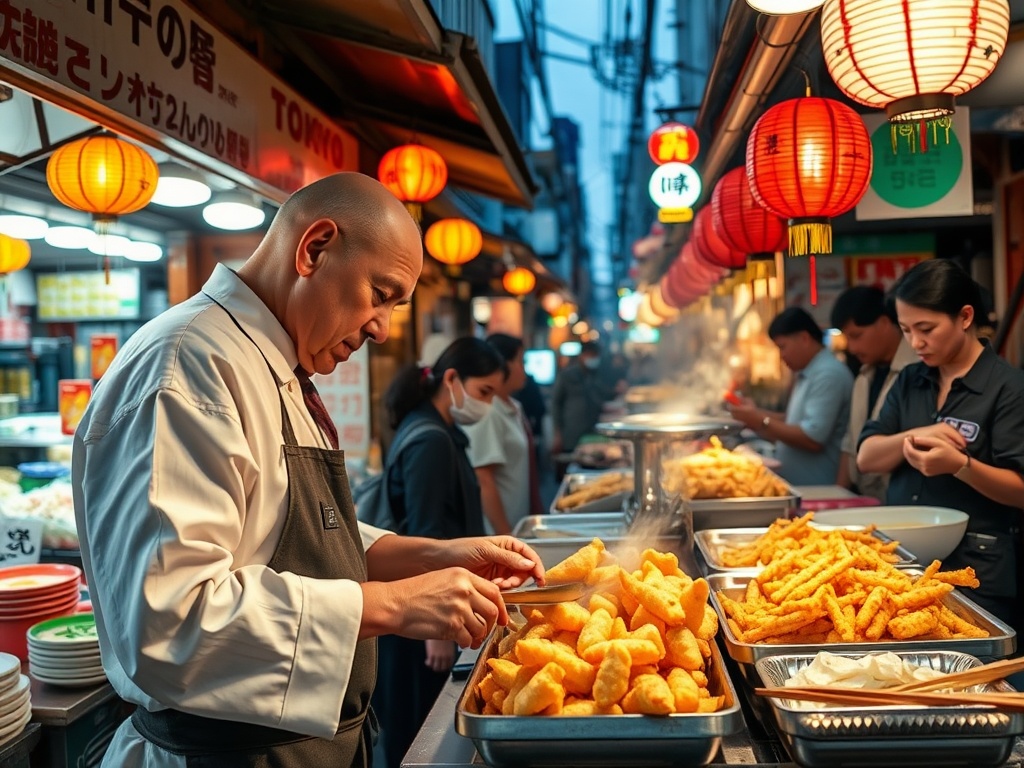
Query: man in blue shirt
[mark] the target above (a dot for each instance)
(808, 437)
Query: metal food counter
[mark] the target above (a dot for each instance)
(438, 745)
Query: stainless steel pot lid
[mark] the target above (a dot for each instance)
(666, 425)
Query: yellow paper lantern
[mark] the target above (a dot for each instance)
(519, 281)
(102, 175)
(453, 241)
(413, 173)
(914, 57)
(14, 254)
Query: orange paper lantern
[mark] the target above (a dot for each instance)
(519, 281)
(413, 173)
(453, 241)
(14, 254)
(102, 175)
(809, 159)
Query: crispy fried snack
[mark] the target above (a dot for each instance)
(839, 588)
(718, 473)
(617, 655)
(578, 565)
(602, 485)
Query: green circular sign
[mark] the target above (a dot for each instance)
(910, 178)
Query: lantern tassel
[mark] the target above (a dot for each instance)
(810, 237)
(814, 281)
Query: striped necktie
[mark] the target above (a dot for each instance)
(316, 407)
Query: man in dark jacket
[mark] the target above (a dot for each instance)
(578, 395)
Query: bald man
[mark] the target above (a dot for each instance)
(237, 598)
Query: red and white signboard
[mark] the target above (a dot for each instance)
(164, 67)
(346, 395)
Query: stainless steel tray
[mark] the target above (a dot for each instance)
(1001, 642)
(744, 511)
(610, 503)
(711, 542)
(666, 426)
(606, 740)
(555, 537)
(898, 735)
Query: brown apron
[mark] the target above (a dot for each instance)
(320, 540)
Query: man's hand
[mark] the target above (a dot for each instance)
(931, 455)
(440, 655)
(746, 412)
(448, 604)
(502, 560)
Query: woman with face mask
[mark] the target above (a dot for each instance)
(433, 492)
(951, 431)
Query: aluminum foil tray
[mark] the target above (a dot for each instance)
(712, 541)
(1000, 643)
(899, 735)
(572, 483)
(607, 740)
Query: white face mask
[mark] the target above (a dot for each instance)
(471, 411)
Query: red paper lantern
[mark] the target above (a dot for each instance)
(741, 221)
(676, 295)
(703, 272)
(711, 247)
(808, 160)
(673, 143)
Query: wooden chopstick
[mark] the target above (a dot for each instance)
(986, 673)
(860, 697)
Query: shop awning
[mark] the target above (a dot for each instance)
(398, 74)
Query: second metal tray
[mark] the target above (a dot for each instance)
(712, 541)
(898, 735)
(604, 740)
(573, 481)
(1001, 642)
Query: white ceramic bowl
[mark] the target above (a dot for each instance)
(930, 533)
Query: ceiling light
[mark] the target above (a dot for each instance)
(180, 187)
(233, 210)
(69, 237)
(23, 227)
(109, 245)
(140, 251)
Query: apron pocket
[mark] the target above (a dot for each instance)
(993, 556)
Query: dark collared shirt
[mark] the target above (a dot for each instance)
(986, 406)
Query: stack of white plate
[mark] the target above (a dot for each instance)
(66, 652)
(15, 702)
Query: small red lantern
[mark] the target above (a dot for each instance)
(703, 272)
(413, 173)
(710, 247)
(741, 221)
(673, 143)
(676, 295)
(809, 159)
(519, 281)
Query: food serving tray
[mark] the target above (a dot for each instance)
(744, 511)
(573, 481)
(1001, 642)
(712, 541)
(506, 741)
(907, 735)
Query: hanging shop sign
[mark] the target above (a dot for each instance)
(673, 143)
(167, 69)
(918, 175)
(674, 188)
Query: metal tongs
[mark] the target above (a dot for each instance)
(534, 595)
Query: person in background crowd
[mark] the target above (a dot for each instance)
(500, 447)
(809, 435)
(951, 431)
(532, 399)
(433, 492)
(873, 336)
(577, 398)
(237, 597)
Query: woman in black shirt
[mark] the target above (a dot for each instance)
(433, 491)
(951, 431)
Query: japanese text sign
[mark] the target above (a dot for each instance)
(21, 539)
(164, 66)
(346, 395)
(673, 143)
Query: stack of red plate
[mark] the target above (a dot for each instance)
(30, 594)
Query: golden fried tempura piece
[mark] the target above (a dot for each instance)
(640, 651)
(543, 690)
(578, 565)
(650, 695)
(661, 603)
(694, 600)
(682, 649)
(666, 562)
(597, 629)
(567, 617)
(685, 691)
(579, 675)
(650, 632)
(504, 672)
(587, 707)
(612, 679)
(913, 624)
(523, 676)
(606, 602)
(709, 627)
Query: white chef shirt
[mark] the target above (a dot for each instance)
(499, 440)
(180, 491)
